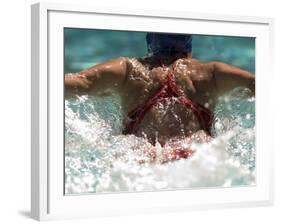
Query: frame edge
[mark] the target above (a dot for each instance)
(35, 176)
(39, 144)
(90, 8)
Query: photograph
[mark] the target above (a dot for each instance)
(155, 111)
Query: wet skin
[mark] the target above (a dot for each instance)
(136, 80)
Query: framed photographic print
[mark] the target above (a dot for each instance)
(148, 111)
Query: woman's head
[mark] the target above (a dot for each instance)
(160, 44)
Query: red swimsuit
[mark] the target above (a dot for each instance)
(167, 90)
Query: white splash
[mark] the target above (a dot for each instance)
(100, 159)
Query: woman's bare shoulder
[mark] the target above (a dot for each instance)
(139, 66)
(190, 61)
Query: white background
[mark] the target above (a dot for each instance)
(15, 111)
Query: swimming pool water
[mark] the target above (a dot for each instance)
(98, 158)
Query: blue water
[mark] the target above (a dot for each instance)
(84, 48)
(98, 158)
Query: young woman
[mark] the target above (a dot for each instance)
(168, 96)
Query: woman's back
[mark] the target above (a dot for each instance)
(167, 118)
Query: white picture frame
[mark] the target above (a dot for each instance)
(47, 191)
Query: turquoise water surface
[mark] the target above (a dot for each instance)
(98, 158)
(85, 48)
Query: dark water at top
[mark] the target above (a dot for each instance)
(86, 47)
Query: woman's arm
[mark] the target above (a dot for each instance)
(228, 77)
(110, 74)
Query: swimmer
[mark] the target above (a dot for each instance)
(167, 96)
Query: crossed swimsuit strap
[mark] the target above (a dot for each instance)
(167, 90)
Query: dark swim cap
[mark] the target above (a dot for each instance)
(168, 44)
